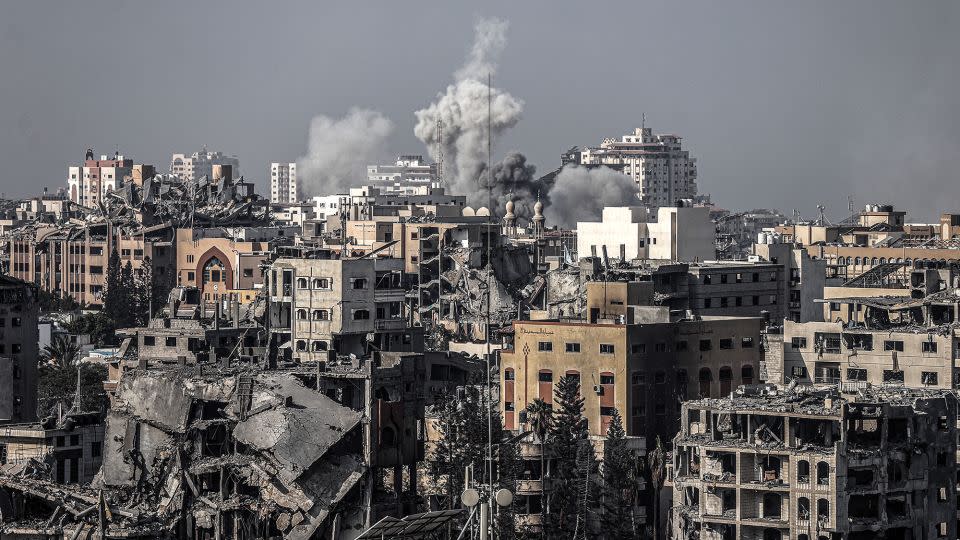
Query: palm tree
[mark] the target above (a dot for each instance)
(61, 352)
(540, 417)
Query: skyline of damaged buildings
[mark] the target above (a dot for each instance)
(797, 377)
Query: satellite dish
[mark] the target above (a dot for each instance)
(503, 497)
(470, 497)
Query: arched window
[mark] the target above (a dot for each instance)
(883, 260)
(803, 472)
(873, 261)
(856, 261)
(321, 315)
(823, 510)
(682, 379)
(361, 315)
(301, 345)
(321, 283)
(823, 473)
(726, 380)
(803, 508)
(214, 271)
(746, 374)
(573, 374)
(302, 283)
(319, 346)
(301, 314)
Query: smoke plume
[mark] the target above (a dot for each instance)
(463, 111)
(579, 194)
(339, 150)
(514, 179)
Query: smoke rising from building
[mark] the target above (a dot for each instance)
(579, 194)
(462, 108)
(514, 179)
(339, 150)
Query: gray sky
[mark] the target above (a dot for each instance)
(785, 104)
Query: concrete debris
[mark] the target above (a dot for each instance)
(241, 454)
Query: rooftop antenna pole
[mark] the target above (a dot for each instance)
(440, 151)
(489, 274)
(643, 121)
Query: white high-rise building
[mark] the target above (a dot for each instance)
(408, 175)
(201, 163)
(283, 183)
(663, 170)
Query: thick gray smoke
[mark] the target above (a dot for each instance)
(339, 150)
(514, 179)
(463, 110)
(579, 194)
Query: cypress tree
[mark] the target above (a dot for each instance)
(573, 461)
(112, 297)
(617, 482)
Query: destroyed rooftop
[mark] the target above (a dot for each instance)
(811, 400)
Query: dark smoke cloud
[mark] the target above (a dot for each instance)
(579, 194)
(514, 180)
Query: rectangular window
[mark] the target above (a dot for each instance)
(856, 374)
(798, 372)
(756, 277)
(928, 378)
(606, 348)
(893, 376)
(508, 375)
(726, 343)
(545, 346)
(706, 302)
(573, 347)
(149, 341)
(798, 343)
(929, 346)
(660, 347)
(545, 376)
(607, 411)
(746, 343)
(248, 272)
(606, 379)
(893, 345)
(638, 378)
(680, 346)
(171, 342)
(705, 345)
(723, 278)
(96, 270)
(756, 300)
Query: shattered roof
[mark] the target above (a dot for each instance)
(295, 424)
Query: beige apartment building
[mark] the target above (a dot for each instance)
(642, 365)
(319, 306)
(72, 261)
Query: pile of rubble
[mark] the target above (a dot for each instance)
(242, 454)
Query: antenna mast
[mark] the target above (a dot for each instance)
(489, 275)
(440, 151)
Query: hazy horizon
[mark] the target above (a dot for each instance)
(785, 105)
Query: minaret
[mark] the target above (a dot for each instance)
(509, 221)
(538, 218)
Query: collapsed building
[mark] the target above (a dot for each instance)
(800, 463)
(196, 451)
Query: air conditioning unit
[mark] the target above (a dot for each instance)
(597, 389)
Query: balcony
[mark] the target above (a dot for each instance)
(390, 324)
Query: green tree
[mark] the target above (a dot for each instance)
(617, 482)
(463, 441)
(99, 326)
(61, 353)
(114, 301)
(540, 418)
(59, 384)
(574, 462)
